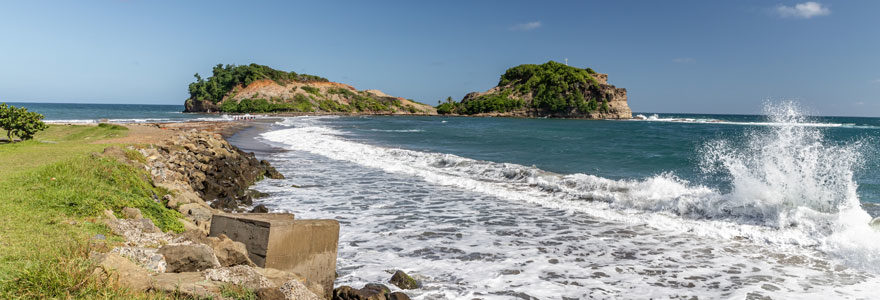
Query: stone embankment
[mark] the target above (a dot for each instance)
(205, 176)
(272, 254)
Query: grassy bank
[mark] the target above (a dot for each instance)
(52, 191)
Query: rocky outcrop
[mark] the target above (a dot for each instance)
(200, 106)
(203, 164)
(547, 90)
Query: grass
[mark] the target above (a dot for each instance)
(52, 192)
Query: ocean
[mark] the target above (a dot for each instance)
(665, 206)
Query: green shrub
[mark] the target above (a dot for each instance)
(18, 121)
(312, 90)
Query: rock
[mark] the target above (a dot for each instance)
(370, 291)
(229, 252)
(188, 258)
(138, 232)
(241, 275)
(108, 214)
(145, 257)
(191, 284)
(398, 296)
(294, 289)
(196, 212)
(875, 223)
(270, 294)
(132, 213)
(260, 209)
(127, 273)
(403, 281)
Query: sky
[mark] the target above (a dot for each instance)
(724, 57)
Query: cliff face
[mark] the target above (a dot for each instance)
(548, 90)
(260, 89)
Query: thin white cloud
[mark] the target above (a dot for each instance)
(526, 26)
(875, 80)
(684, 60)
(804, 10)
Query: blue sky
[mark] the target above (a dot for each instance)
(672, 56)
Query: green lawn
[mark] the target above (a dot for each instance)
(52, 190)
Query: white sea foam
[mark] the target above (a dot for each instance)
(802, 123)
(790, 189)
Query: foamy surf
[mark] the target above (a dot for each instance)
(792, 235)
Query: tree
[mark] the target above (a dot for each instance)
(20, 122)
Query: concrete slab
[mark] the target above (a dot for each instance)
(304, 247)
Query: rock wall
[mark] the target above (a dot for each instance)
(200, 166)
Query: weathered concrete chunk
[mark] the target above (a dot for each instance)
(188, 258)
(304, 247)
(127, 273)
(145, 257)
(403, 281)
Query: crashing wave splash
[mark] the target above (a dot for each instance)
(789, 186)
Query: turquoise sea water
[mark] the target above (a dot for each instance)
(632, 149)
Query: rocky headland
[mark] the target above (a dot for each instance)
(261, 89)
(551, 90)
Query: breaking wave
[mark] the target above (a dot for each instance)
(788, 185)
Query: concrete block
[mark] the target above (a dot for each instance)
(304, 247)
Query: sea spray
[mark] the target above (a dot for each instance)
(789, 186)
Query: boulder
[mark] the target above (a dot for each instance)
(270, 294)
(149, 258)
(398, 296)
(138, 232)
(295, 289)
(124, 271)
(191, 284)
(188, 258)
(132, 213)
(370, 291)
(245, 276)
(260, 209)
(196, 212)
(403, 281)
(229, 253)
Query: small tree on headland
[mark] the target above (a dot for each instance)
(20, 122)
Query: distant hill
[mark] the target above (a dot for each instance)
(260, 89)
(547, 90)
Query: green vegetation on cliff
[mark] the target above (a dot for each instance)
(225, 78)
(553, 88)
